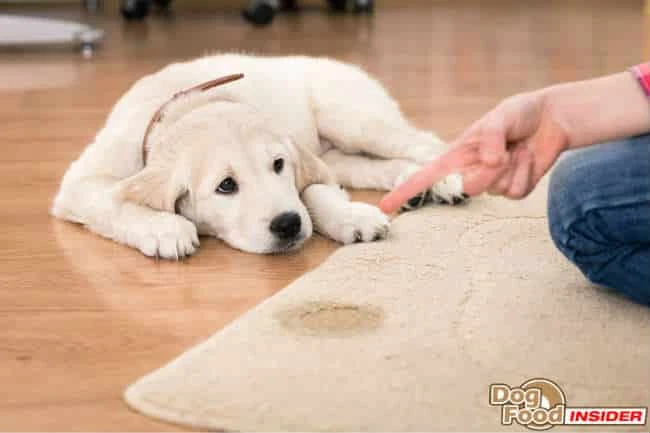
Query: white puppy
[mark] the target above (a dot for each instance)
(256, 162)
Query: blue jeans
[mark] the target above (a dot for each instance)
(599, 214)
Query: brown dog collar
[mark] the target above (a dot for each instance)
(158, 115)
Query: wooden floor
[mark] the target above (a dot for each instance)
(81, 317)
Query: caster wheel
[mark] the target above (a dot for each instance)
(364, 6)
(87, 51)
(260, 14)
(338, 5)
(163, 4)
(89, 39)
(134, 9)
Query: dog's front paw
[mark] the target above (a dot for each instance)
(164, 235)
(418, 200)
(361, 222)
(449, 190)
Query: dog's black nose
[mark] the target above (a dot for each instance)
(286, 225)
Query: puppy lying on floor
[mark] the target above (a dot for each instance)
(256, 161)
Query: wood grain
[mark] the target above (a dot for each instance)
(81, 317)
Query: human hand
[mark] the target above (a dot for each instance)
(506, 152)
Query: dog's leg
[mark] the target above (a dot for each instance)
(373, 134)
(335, 216)
(357, 116)
(90, 201)
(362, 172)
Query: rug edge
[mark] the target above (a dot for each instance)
(136, 401)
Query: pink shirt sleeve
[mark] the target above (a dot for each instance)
(642, 73)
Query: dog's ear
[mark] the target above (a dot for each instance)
(308, 168)
(154, 187)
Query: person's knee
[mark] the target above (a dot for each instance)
(563, 210)
(569, 230)
(602, 262)
(579, 190)
(579, 227)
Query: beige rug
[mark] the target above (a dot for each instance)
(409, 333)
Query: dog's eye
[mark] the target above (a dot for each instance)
(278, 165)
(227, 186)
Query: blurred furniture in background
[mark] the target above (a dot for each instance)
(22, 32)
(257, 12)
(261, 12)
(138, 9)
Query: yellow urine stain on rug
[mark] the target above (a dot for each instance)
(328, 318)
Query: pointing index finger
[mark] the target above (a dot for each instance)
(451, 162)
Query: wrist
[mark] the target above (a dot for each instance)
(553, 111)
(598, 110)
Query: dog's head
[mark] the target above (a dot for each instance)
(223, 165)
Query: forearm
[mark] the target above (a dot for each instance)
(599, 110)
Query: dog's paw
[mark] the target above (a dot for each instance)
(418, 200)
(164, 235)
(361, 222)
(449, 190)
